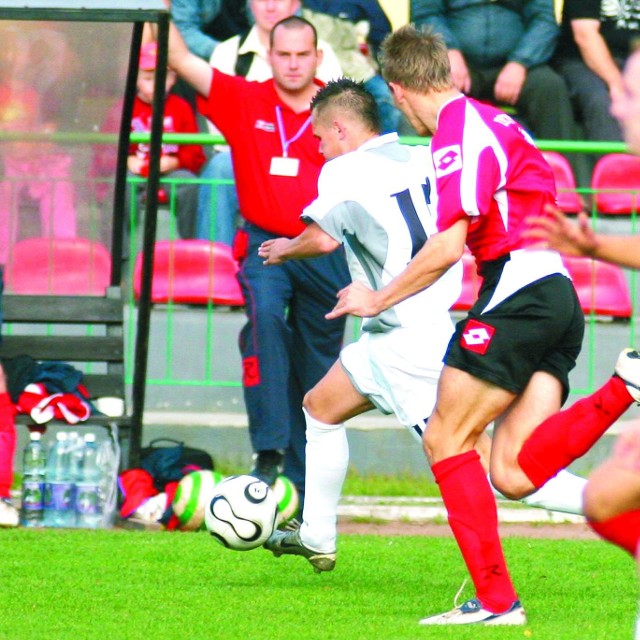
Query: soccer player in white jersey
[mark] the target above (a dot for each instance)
(377, 197)
(510, 358)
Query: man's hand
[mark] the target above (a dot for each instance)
(272, 250)
(510, 82)
(356, 299)
(459, 71)
(557, 232)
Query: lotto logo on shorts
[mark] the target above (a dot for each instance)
(250, 371)
(477, 337)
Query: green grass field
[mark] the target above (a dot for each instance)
(129, 585)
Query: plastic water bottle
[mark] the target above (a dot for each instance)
(75, 447)
(34, 467)
(59, 486)
(88, 498)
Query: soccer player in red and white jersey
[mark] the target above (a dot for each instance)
(509, 360)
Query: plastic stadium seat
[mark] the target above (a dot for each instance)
(616, 180)
(192, 272)
(600, 286)
(471, 283)
(58, 266)
(568, 200)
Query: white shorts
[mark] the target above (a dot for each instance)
(399, 370)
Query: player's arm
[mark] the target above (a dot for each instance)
(595, 52)
(194, 70)
(312, 242)
(557, 231)
(438, 254)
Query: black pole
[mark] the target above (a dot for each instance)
(150, 217)
(119, 205)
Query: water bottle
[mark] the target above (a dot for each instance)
(34, 467)
(88, 498)
(75, 447)
(59, 486)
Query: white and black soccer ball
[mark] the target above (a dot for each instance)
(242, 514)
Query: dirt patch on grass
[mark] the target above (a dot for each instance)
(550, 531)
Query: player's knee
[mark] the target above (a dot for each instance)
(509, 484)
(313, 408)
(595, 504)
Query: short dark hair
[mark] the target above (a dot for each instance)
(293, 22)
(351, 95)
(416, 59)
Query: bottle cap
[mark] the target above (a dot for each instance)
(35, 435)
(89, 437)
(61, 435)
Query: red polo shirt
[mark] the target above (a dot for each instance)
(245, 113)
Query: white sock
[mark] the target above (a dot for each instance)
(562, 493)
(327, 460)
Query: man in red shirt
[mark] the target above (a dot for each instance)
(509, 360)
(287, 345)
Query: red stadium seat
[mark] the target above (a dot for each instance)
(471, 283)
(568, 200)
(616, 180)
(601, 287)
(58, 266)
(192, 272)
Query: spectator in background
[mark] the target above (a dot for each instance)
(499, 52)
(593, 47)
(35, 173)
(246, 55)
(287, 344)
(204, 23)
(177, 161)
(336, 22)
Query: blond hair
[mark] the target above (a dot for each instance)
(416, 59)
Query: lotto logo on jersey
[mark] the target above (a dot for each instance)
(477, 337)
(447, 160)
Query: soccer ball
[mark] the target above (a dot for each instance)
(193, 494)
(287, 497)
(242, 513)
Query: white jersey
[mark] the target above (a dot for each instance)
(380, 201)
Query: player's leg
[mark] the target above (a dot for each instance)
(8, 513)
(541, 398)
(569, 434)
(332, 401)
(465, 406)
(612, 496)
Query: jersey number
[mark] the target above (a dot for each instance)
(408, 210)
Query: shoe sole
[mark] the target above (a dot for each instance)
(320, 563)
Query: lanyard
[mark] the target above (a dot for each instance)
(283, 139)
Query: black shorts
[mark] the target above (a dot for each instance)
(538, 328)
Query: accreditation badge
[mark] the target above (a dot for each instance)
(281, 166)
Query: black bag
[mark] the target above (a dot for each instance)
(170, 463)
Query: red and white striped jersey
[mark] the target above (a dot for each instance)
(488, 168)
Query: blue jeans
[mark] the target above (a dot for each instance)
(287, 346)
(220, 200)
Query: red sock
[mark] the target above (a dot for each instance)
(568, 435)
(623, 530)
(7, 444)
(473, 518)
